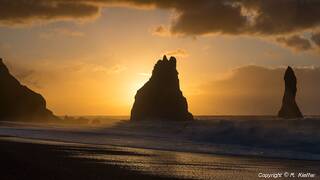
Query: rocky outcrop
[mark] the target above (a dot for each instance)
(289, 107)
(161, 98)
(18, 101)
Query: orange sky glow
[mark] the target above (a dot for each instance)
(91, 60)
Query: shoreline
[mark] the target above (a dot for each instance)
(231, 138)
(228, 154)
(41, 159)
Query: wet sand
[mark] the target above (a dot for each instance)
(42, 159)
(24, 160)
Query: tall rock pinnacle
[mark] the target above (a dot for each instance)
(289, 107)
(18, 101)
(161, 97)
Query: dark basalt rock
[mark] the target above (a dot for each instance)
(19, 102)
(289, 107)
(161, 98)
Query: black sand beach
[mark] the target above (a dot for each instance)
(42, 159)
(23, 160)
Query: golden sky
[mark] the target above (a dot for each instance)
(89, 57)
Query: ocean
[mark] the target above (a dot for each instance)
(240, 147)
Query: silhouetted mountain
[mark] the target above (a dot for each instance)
(289, 107)
(161, 97)
(18, 101)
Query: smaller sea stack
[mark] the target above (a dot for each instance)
(161, 98)
(289, 107)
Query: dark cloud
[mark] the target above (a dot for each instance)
(283, 16)
(295, 42)
(259, 90)
(206, 17)
(14, 12)
(192, 17)
(316, 38)
(240, 16)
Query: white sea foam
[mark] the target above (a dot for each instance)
(268, 137)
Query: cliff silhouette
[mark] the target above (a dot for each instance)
(161, 98)
(18, 101)
(289, 107)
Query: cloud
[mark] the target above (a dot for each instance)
(316, 38)
(191, 18)
(239, 16)
(178, 53)
(295, 42)
(259, 90)
(160, 31)
(17, 12)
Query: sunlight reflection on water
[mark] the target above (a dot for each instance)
(199, 166)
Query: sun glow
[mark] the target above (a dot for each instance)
(134, 86)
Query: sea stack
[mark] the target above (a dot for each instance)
(289, 107)
(161, 98)
(18, 102)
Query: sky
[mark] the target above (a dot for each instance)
(89, 57)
